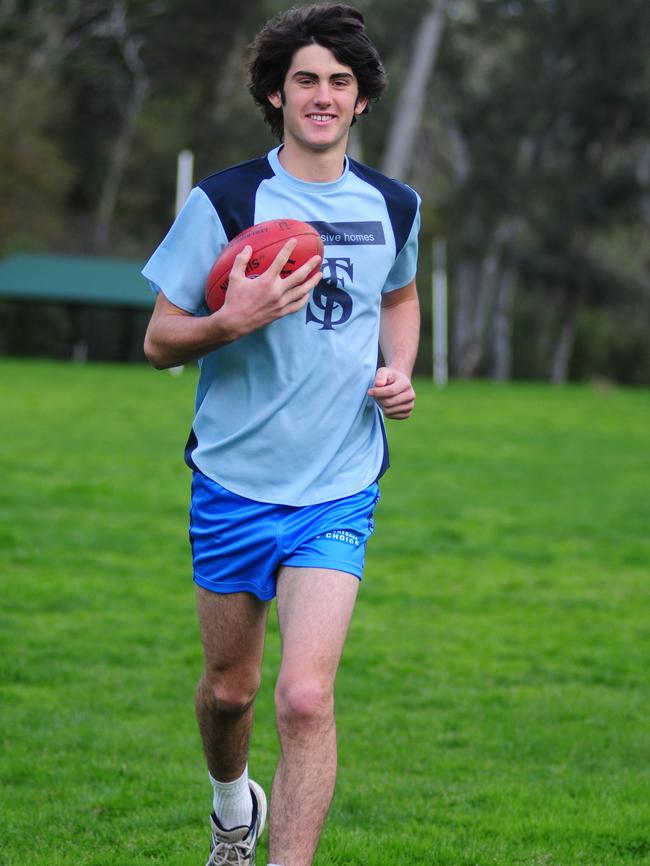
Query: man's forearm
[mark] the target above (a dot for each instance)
(399, 333)
(174, 339)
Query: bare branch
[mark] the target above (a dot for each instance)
(58, 41)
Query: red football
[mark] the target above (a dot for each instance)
(266, 239)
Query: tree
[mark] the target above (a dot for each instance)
(523, 126)
(543, 146)
(36, 176)
(407, 115)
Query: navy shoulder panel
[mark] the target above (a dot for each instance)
(401, 200)
(232, 193)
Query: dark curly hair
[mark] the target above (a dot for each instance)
(338, 27)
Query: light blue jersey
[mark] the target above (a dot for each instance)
(282, 414)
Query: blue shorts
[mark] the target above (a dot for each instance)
(239, 544)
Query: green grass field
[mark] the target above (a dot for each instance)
(493, 700)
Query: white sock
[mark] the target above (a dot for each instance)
(232, 802)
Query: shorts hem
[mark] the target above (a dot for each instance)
(355, 571)
(229, 588)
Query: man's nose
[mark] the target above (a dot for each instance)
(323, 96)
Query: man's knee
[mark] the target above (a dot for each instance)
(228, 693)
(303, 702)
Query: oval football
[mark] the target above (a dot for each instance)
(266, 240)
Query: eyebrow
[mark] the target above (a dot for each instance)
(304, 73)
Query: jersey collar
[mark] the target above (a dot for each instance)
(305, 185)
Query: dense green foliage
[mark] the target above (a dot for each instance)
(532, 159)
(492, 699)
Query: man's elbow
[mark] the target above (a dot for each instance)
(155, 355)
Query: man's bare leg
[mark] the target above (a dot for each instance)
(232, 631)
(314, 611)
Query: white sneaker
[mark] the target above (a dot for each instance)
(236, 847)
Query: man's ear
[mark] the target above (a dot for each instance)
(362, 104)
(275, 99)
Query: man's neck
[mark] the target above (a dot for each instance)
(310, 165)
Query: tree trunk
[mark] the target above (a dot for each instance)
(117, 167)
(464, 283)
(507, 234)
(563, 349)
(227, 79)
(503, 326)
(130, 47)
(408, 110)
(476, 296)
(643, 176)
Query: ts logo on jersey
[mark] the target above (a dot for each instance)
(330, 305)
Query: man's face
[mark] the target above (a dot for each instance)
(320, 100)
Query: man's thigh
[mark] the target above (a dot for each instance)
(232, 629)
(314, 606)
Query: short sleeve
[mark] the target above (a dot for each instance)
(405, 266)
(180, 265)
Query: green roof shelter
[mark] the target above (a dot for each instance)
(106, 297)
(74, 279)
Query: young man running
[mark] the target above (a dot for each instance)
(288, 441)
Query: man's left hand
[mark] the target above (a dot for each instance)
(393, 392)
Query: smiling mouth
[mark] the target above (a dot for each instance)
(321, 118)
